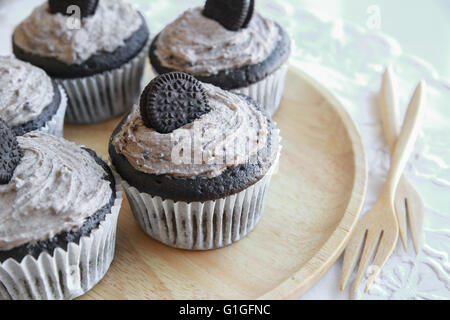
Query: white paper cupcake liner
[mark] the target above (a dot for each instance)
(106, 95)
(267, 92)
(55, 125)
(66, 274)
(200, 225)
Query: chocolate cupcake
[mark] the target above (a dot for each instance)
(229, 45)
(96, 49)
(58, 219)
(30, 99)
(195, 162)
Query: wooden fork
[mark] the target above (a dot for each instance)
(379, 225)
(407, 200)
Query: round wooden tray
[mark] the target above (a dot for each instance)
(313, 204)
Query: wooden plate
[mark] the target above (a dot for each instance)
(313, 204)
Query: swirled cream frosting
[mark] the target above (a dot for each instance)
(229, 135)
(72, 40)
(25, 91)
(198, 45)
(56, 186)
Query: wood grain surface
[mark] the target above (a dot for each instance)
(313, 204)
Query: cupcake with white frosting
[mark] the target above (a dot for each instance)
(31, 100)
(58, 219)
(195, 162)
(229, 45)
(96, 49)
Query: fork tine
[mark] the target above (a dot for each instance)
(400, 212)
(351, 254)
(369, 247)
(415, 208)
(386, 246)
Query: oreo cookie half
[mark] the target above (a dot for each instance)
(87, 7)
(231, 14)
(173, 100)
(10, 153)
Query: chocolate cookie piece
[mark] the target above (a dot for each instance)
(45, 116)
(10, 153)
(250, 12)
(231, 181)
(97, 63)
(243, 76)
(171, 101)
(87, 7)
(231, 14)
(63, 239)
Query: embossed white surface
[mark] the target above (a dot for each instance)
(349, 60)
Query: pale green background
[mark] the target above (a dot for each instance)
(422, 27)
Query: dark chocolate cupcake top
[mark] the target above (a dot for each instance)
(199, 45)
(55, 188)
(228, 134)
(74, 41)
(25, 91)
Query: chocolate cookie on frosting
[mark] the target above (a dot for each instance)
(58, 218)
(30, 99)
(202, 184)
(95, 48)
(228, 44)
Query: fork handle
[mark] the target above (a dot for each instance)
(408, 135)
(389, 112)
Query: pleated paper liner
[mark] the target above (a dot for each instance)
(66, 274)
(200, 225)
(106, 95)
(267, 92)
(55, 125)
